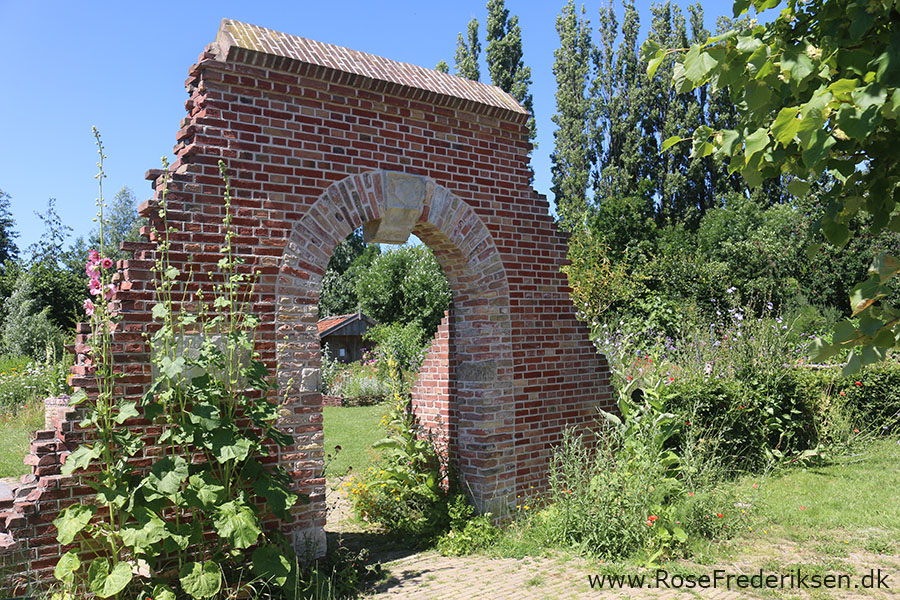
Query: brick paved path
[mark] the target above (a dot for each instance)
(430, 576)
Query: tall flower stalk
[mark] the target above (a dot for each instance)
(182, 526)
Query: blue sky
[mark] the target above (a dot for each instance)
(121, 66)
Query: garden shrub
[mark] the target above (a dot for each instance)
(360, 384)
(626, 493)
(408, 489)
(23, 381)
(750, 416)
(29, 330)
(871, 398)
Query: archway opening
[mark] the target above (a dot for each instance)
(469, 403)
(379, 309)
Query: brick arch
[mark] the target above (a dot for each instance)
(479, 426)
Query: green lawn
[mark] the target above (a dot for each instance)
(354, 429)
(854, 500)
(15, 437)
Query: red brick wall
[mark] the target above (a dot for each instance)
(309, 150)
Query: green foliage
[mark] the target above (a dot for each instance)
(817, 94)
(56, 275)
(405, 285)
(28, 329)
(405, 344)
(360, 384)
(9, 251)
(349, 260)
(504, 58)
(467, 50)
(122, 224)
(622, 497)
(408, 489)
(186, 518)
(331, 369)
(442, 67)
(24, 381)
(571, 157)
(469, 533)
(870, 399)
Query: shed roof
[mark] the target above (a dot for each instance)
(235, 37)
(332, 324)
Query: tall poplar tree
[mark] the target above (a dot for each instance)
(468, 50)
(572, 155)
(8, 248)
(504, 58)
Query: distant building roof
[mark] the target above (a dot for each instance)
(268, 48)
(330, 325)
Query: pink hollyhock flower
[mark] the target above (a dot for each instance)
(94, 256)
(106, 263)
(94, 287)
(110, 292)
(91, 270)
(89, 307)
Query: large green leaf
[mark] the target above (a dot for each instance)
(865, 294)
(698, 64)
(68, 564)
(165, 477)
(162, 592)
(279, 497)
(226, 446)
(236, 522)
(208, 491)
(885, 266)
(755, 143)
(270, 563)
(786, 125)
(201, 580)
(105, 582)
(148, 530)
(72, 521)
(81, 458)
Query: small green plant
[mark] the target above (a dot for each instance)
(468, 532)
(407, 489)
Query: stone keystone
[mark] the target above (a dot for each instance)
(403, 200)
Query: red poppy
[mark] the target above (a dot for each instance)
(671, 379)
(843, 394)
(720, 515)
(652, 518)
(858, 383)
(802, 508)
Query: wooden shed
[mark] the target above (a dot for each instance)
(343, 335)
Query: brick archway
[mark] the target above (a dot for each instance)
(480, 417)
(319, 140)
